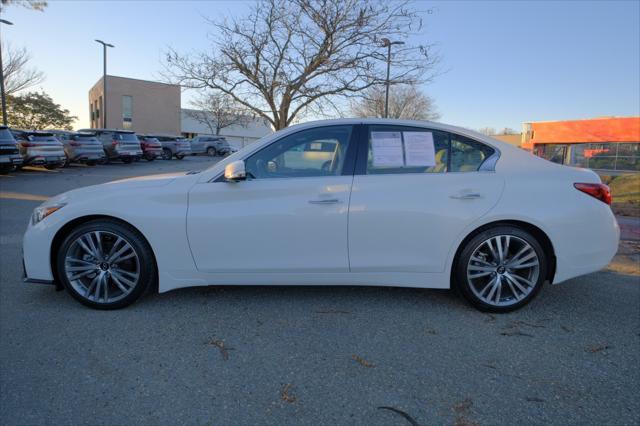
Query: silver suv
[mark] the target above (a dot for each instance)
(40, 149)
(10, 157)
(211, 145)
(118, 144)
(81, 147)
(173, 146)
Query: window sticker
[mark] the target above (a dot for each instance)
(419, 149)
(387, 149)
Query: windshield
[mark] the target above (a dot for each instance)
(127, 137)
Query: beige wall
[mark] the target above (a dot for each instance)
(156, 106)
(515, 140)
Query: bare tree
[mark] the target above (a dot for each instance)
(508, 131)
(289, 58)
(17, 73)
(217, 111)
(405, 101)
(489, 131)
(29, 4)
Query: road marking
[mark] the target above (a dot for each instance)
(22, 196)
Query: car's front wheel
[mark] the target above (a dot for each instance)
(501, 269)
(105, 264)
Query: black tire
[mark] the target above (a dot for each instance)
(92, 163)
(8, 169)
(127, 160)
(211, 152)
(147, 267)
(179, 156)
(166, 154)
(53, 166)
(464, 286)
(149, 157)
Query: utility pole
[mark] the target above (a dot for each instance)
(104, 81)
(4, 97)
(388, 43)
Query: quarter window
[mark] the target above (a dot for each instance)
(467, 155)
(308, 153)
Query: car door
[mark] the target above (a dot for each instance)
(414, 193)
(290, 215)
(197, 144)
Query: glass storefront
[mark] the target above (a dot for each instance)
(615, 156)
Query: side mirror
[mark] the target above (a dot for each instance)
(235, 171)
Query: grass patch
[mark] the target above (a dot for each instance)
(625, 190)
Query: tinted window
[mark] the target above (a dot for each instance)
(395, 149)
(130, 137)
(467, 155)
(313, 152)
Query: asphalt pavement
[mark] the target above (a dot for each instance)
(295, 355)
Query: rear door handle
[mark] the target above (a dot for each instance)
(466, 196)
(325, 201)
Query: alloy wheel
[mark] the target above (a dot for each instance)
(503, 270)
(102, 267)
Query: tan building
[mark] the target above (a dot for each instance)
(138, 105)
(514, 139)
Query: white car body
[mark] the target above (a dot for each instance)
(392, 230)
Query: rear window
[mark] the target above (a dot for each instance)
(128, 137)
(83, 138)
(41, 138)
(5, 134)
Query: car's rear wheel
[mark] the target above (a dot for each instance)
(149, 157)
(105, 264)
(166, 154)
(501, 269)
(179, 156)
(127, 160)
(211, 152)
(53, 166)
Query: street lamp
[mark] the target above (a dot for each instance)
(104, 81)
(4, 99)
(388, 43)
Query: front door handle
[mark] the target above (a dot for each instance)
(466, 196)
(325, 201)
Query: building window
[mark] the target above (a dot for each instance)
(127, 112)
(605, 156)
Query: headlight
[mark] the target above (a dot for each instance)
(41, 212)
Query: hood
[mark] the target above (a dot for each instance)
(109, 188)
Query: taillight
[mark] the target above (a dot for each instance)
(28, 144)
(596, 190)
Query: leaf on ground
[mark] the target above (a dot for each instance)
(431, 331)
(363, 362)
(224, 349)
(285, 395)
(410, 419)
(597, 348)
(462, 409)
(534, 399)
(515, 333)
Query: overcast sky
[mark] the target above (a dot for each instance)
(507, 62)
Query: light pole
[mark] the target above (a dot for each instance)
(4, 98)
(388, 43)
(104, 81)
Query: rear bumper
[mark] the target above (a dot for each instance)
(81, 155)
(39, 160)
(12, 159)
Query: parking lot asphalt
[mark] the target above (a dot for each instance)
(295, 355)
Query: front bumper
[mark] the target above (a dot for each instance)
(14, 159)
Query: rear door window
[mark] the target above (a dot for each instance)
(467, 155)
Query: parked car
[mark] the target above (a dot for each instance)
(173, 146)
(151, 147)
(402, 203)
(10, 157)
(211, 145)
(40, 149)
(118, 144)
(80, 147)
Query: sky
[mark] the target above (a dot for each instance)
(503, 62)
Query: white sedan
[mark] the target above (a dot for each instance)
(340, 202)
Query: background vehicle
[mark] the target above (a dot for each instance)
(173, 146)
(10, 157)
(211, 145)
(151, 147)
(118, 144)
(337, 202)
(80, 147)
(40, 149)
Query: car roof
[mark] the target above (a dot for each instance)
(105, 130)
